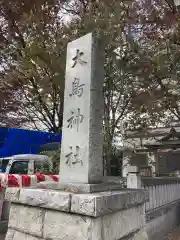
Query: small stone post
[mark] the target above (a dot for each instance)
(152, 162)
(134, 178)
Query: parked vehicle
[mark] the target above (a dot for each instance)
(23, 170)
(26, 164)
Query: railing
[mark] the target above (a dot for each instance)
(162, 191)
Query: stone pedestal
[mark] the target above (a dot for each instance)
(105, 185)
(41, 214)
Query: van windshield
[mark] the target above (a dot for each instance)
(3, 165)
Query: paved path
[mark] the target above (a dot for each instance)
(2, 236)
(175, 235)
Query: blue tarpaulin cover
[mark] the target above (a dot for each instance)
(21, 141)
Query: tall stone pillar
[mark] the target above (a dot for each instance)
(81, 206)
(81, 163)
(82, 141)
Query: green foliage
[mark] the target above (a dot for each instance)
(55, 158)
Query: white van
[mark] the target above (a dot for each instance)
(26, 164)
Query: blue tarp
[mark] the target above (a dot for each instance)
(20, 141)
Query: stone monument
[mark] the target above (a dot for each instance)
(81, 206)
(81, 152)
(81, 164)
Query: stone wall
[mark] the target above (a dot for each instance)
(48, 214)
(163, 208)
(162, 221)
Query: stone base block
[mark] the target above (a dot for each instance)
(36, 223)
(16, 235)
(90, 204)
(80, 188)
(50, 214)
